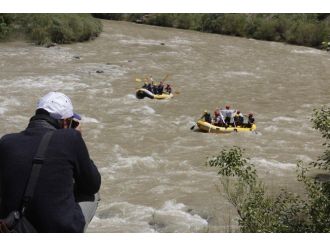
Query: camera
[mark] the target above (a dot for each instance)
(74, 124)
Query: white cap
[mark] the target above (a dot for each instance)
(58, 105)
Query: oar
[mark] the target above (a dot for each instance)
(223, 120)
(165, 77)
(235, 123)
(192, 127)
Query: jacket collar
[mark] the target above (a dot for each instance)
(43, 121)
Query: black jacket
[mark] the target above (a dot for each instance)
(67, 166)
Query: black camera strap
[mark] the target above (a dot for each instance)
(37, 162)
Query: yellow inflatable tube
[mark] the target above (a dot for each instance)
(142, 92)
(207, 127)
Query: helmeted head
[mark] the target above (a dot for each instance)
(250, 114)
(58, 105)
(238, 111)
(227, 107)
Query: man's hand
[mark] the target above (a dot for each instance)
(78, 128)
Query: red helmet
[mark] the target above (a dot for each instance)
(227, 107)
(250, 114)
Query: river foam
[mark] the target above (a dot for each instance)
(55, 83)
(269, 163)
(145, 110)
(308, 51)
(285, 119)
(3, 110)
(171, 217)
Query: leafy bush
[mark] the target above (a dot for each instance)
(233, 24)
(183, 21)
(113, 16)
(286, 211)
(43, 29)
(267, 30)
(4, 29)
(310, 34)
(165, 20)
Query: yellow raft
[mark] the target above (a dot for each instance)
(142, 92)
(207, 127)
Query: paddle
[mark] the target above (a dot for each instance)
(234, 122)
(223, 120)
(192, 127)
(165, 77)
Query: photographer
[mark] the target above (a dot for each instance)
(66, 192)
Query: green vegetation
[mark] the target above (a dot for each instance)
(44, 29)
(285, 212)
(300, 29)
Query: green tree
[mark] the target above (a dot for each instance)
(285, 211)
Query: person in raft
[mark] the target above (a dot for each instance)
(207, 117)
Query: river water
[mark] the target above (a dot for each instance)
(154, 177)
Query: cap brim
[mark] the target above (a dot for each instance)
(76, 116)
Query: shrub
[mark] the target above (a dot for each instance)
(285, 211)
(43, 29)
(165, 20)
(183, 21)
(233, 24)
(267, 30)
(113, 16)
(4, 29)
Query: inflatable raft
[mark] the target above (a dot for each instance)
(142, 92)
(207, 127)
